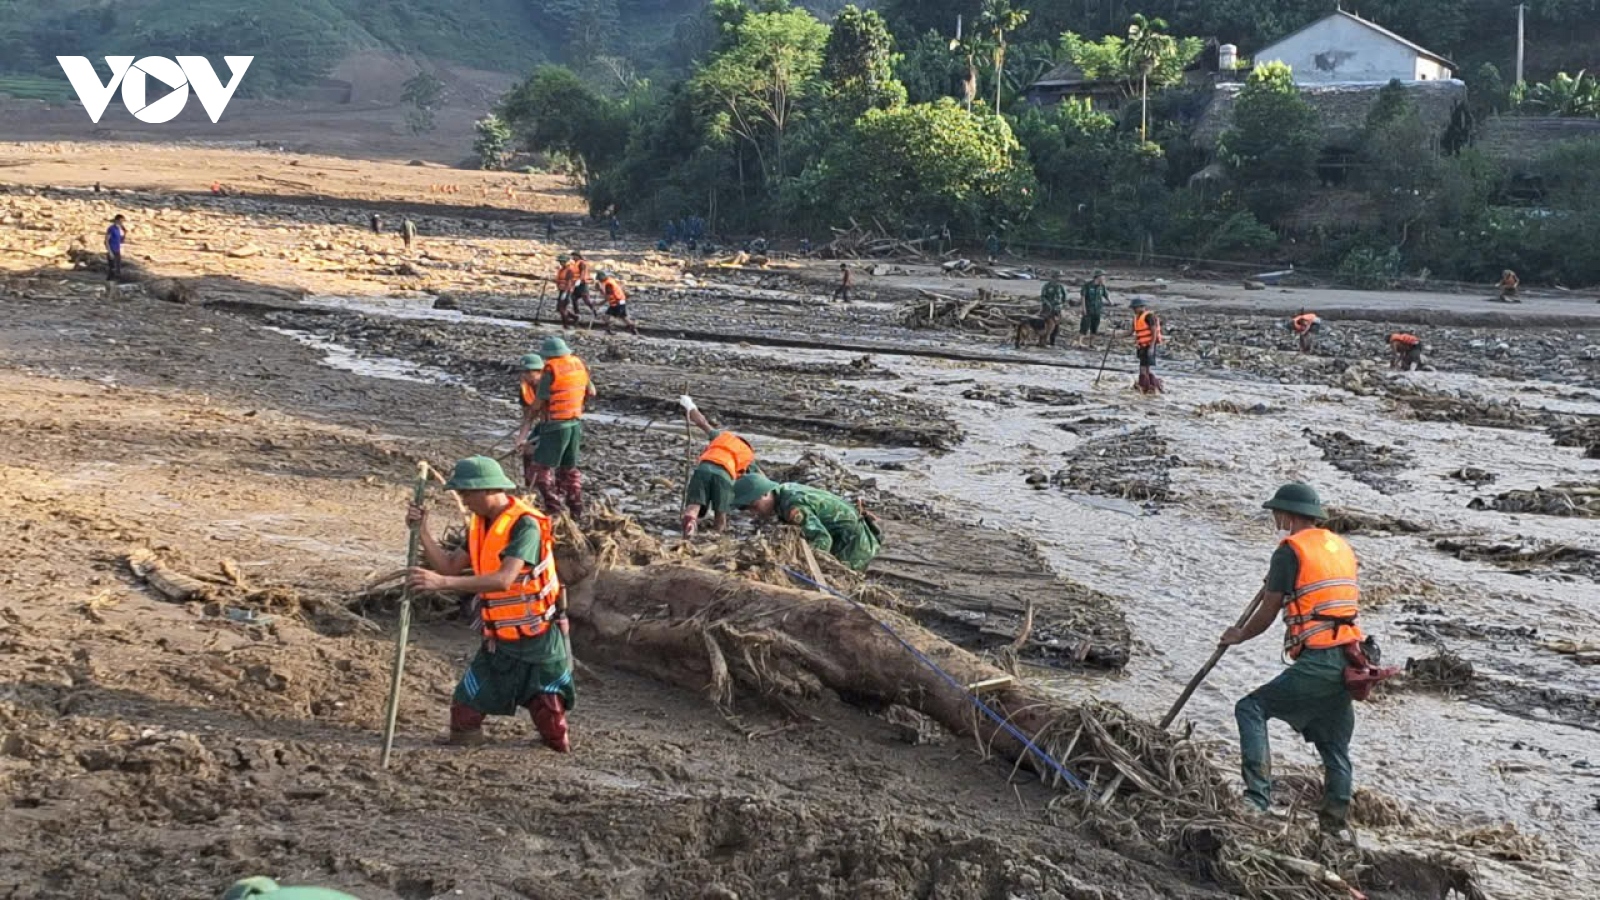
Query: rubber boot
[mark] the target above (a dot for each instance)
(550, 717)
(466, 727)
(570, 484)
(544, 480)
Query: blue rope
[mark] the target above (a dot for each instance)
(1000, 720)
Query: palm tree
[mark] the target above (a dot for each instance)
(998, 18)
(1148, 45)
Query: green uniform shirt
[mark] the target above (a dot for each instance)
(1284, 570)
(829, 524)
(1094, 298)
(1052, 298)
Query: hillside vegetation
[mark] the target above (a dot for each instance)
(296, 43)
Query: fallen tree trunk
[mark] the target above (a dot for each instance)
(714, 633)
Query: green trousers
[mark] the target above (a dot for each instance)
(1310, 696)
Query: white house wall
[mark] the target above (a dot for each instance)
(1339, 49)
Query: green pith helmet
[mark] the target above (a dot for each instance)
(553, 347)
(479, 473)
(577, 254)
(1136, 303)
(603, 274)
(563, 258)
(1099, 273)
(531, 362)
(750, 488)
(1297, 498)
(266, 887)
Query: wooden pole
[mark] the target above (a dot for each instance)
(1216, 656)
(413, 549)
(1110, 340)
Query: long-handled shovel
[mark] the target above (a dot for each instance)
(1110, 340)
(1189, 689)
(539, 312)
(413, 549)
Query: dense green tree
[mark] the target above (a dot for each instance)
(1271, 150)
(1565, 95)
(918, 165)
(425, 92)
(1147, 48)
(757, 84)
(555, 111)
(492, 142)
(858, 63)
(1114, 58)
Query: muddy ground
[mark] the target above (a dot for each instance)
(263, 436)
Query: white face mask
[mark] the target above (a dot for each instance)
(1280, 533)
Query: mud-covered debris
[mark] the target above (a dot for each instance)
(1581, 431)
(1472, 475)
(1444, 671)
(1088, 424)
(1576, 500)
(1370, 464)
(1351, 521)
(1041, 395)
(1462, 408)
(1230, 407)
(1134, 465)
(1529, 558)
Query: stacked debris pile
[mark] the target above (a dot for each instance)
(1463, 408)
(1131, 465)
(1577, 500)
(1371, 464)
(857, 242)
(985, 313)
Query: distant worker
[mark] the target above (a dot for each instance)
(616, 302)
(408, 233)
(1052, 304)
(116, 236)
(549, 228)
(376, 222)
(1304, 325)
(1095, 296)
(531, 368)
(1509, 282)
(1405, 352)
(944, 238)
(842, 292)
(581, 276)
(992, 244)
(563, 390)
(1147, 337)
(1313, 580)
(827, 521)
(759, 246)
(566, 274)
(509, 564)
(728, 457)
(614, 226)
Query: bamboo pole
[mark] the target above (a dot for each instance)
(413, 549)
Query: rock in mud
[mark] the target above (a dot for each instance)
(1576, 500)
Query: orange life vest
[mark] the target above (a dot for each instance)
(1409, 340)
(565, 276)
(580, 271)
(569, 387)
(613, 291)
(1304, 321)
(1321, 612)
(526, 609)
(529, 397)
(731, 452)
(1144, 332)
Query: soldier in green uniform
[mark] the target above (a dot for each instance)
(1094, 304)
(827, 521)
(1052, 303)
